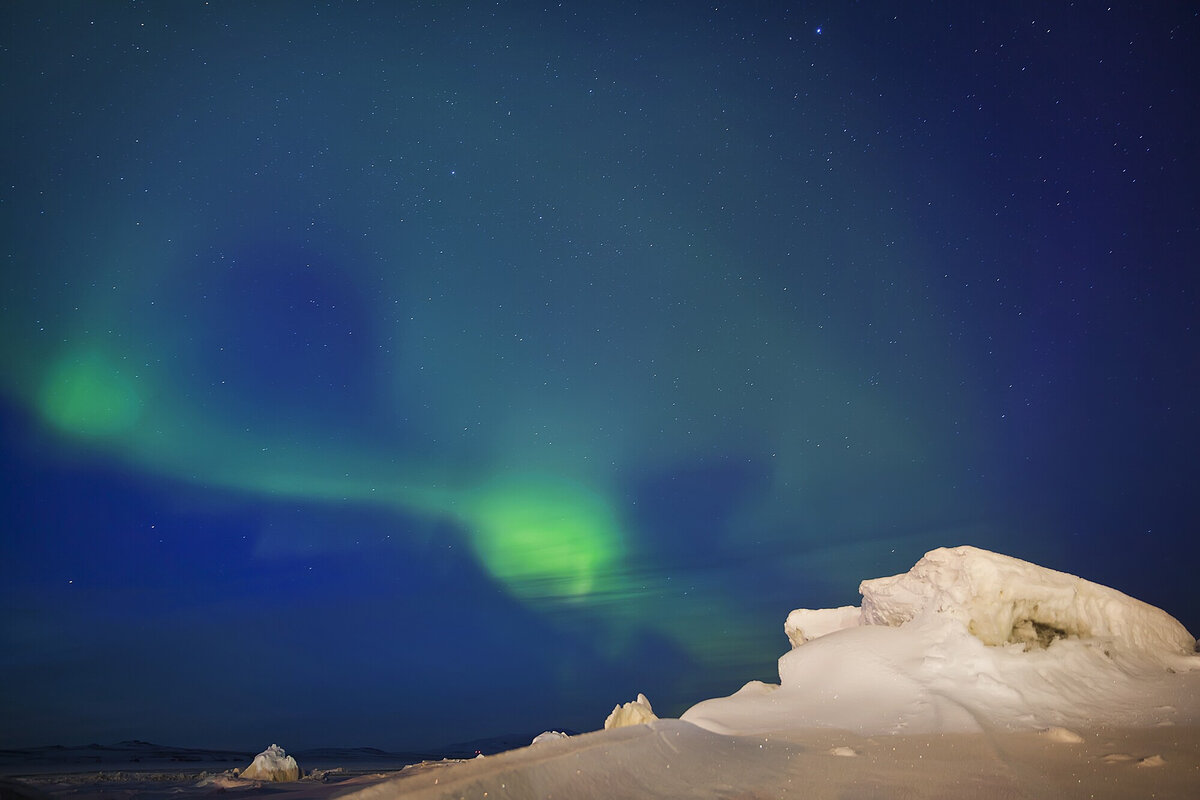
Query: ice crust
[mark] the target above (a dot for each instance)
(970, 640)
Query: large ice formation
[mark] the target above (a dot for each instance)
(1003, 600)
(637, 712)
(272, 764)
(967, 640)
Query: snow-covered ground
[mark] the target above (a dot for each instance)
(972, 675)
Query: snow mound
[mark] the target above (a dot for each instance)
(272, 764)
(1003, 600)
(548, 736)
(969, 640)
(1062, 735)
(637, 712)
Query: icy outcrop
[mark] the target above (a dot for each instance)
(1003, 600)
(272, 764)
(637, 712)
(548, 736)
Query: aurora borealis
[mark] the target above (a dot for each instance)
(392, 374)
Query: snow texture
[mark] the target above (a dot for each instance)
(637, 712)
(272, 764)
(668, 760)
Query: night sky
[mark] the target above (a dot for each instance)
(394, 374)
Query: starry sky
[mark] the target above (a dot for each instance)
(395, 374)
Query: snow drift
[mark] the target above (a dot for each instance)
(970, 640)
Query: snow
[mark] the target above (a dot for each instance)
(637, 712)
(969, 640)
(668, 759)
(1002, 600)
(1062, 735)
(272, 764)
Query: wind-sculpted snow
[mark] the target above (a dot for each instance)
(1002, 600)
(673, 760)
(970, 640)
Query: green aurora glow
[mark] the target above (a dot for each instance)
(517, 375)
(87, 396)
(555, 543)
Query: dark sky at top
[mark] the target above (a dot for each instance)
(393, 373)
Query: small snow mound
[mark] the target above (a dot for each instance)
(548, 736)
(847, 752)
(272, 764)
(637, 712)
(1004, 600)
(1062, 735)
(1152, 761)
(220, 781)
(324, 775)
